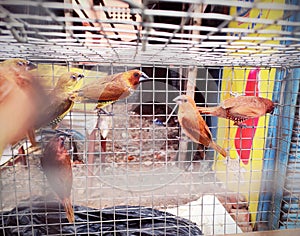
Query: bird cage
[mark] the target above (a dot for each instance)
(135, 170)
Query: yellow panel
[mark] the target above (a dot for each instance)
(246, 179)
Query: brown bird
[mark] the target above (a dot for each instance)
(193, 125)
(112, 88)
(59, 104)
(56, 164)
(21, 97)
(240, 109)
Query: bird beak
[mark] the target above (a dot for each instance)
(143, 77)
(178, 100)
(274, 107)
(80, 76)
(30, 66)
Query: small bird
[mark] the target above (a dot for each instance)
(21, 98)
(60, 102)
(56, 164)
(112, 88)
(240, 108)
(193, 125)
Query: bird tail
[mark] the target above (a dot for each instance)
(219, 149)
(69, 209)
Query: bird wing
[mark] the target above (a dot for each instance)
(55, 111)
(110, 88)
(59, 173)
(245, 111)
(232, 102)
(93, 90)
(197, 131)
(60, 111)
(244, 106)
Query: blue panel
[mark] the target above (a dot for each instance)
(291, 225)
(270, 198)
(265, 198)
(290, 96)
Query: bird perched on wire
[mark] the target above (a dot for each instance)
(61, 101)
(56, 164)
(108, 90)
(21, 99)
(240, 108)
(112, 88)
(193, 125)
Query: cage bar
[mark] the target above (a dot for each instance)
(136, 168)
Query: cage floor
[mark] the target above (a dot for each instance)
(159, 187)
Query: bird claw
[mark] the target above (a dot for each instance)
(244, 126)
(103, 112)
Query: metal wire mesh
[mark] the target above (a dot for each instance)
(144, 163)
(131, 32)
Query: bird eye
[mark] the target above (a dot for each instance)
(136, 74)
(20, 63)
(61, 141)
(73, 77)
(185, 100)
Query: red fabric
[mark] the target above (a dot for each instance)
(244, 136)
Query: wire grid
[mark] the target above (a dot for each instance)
(290, 213)
(286, 189)
(135, 32)
(140, 165)
(143, 171)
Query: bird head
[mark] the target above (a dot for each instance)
(69, 81)
(270, 106)
(185, 101)
(58, 144)
(134, 77)
(181, 99)
(19, 64)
